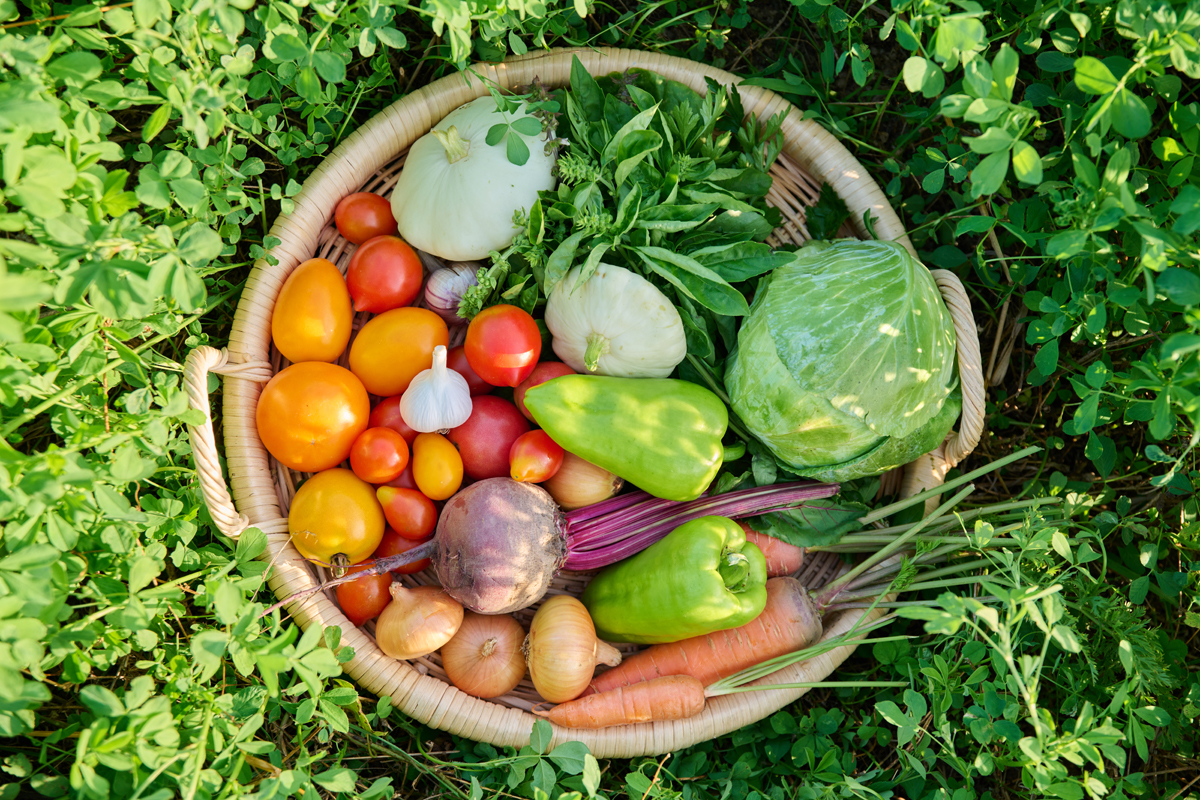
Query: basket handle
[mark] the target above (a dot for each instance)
(929, 470)
(970, 368)
(200, 362)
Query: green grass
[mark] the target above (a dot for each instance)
(144, 154)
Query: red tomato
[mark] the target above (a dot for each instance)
(410, 513)
(534, 458)
(456, 359)
(363, 215)
(384, 273)
(503, 345)
(486, 437)
(394, 544)
(386, 414)
(364, 598)
(545, 371)
(406, 479)
(379, 455)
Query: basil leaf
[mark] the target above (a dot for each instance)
(591, 264)
(560, 261)
(627, 211)
(702, 284)
(671, 219)
(639, 122)
(741, 260)
(586, 92)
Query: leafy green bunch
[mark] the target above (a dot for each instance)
(658, 179)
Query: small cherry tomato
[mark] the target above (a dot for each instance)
(364, 598)
(406, 479)
(386, 414)
(545, 371)
(409, 513)
(456, 359)
(437, 466)
(309, 415)
(313, 317)
(534, 457)
(392, 348)
(503, 345)
(394, 544)
(363, 215)
(335, 512)
(379, 455)
(384, 273)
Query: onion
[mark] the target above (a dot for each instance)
(580, 483)
(562, 649)
(417, 621)
(445, 289)
(484, 658)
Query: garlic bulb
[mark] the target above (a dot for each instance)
(445, 289)
(437, 399)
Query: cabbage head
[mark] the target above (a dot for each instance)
(845, 366)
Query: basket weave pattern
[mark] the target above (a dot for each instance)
(371, 160)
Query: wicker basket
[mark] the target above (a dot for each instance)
(371, 159)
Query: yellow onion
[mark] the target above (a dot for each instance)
(580, 483)
(484, 658)
(417, 622)
(562, 649)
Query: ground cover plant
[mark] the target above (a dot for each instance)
(1048, 153)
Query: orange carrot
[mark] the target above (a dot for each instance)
(789, 622)
(668, 697)
(782, 558)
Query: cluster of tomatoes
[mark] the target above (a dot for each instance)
(315, 415)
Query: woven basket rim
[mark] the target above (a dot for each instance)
(387, 134)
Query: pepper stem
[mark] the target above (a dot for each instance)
(734, 569)
(597, 345)
(455, 145)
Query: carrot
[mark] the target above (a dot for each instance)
(782, 558)
(789, 622)
(668, 697)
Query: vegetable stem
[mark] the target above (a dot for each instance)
(455, 145)
(887, 511)
(832, 590)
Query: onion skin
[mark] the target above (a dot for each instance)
(484, 658)
(562, 649)
(580, 483)
(417, 622)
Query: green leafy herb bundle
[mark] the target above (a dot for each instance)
(655, 178)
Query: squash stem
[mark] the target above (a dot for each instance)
(455, 145)
(597, 345)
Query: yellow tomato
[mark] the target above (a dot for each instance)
(336, 512)
(437, 466)
(312, 316)
(310, 414)
(394, 346)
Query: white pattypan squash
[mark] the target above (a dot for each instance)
(456, 195)
(617, 323)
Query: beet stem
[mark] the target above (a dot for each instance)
(605, 539)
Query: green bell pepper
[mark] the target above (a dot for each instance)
(703, 577)
(661, 435)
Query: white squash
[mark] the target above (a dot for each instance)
(456, 195)
(617, 323)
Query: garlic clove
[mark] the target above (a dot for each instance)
(437, 399)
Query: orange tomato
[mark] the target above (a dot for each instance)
(310, 414)
(394, 346)
(336, 512)
(437, 466)
(379, 455)
(312, 316)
